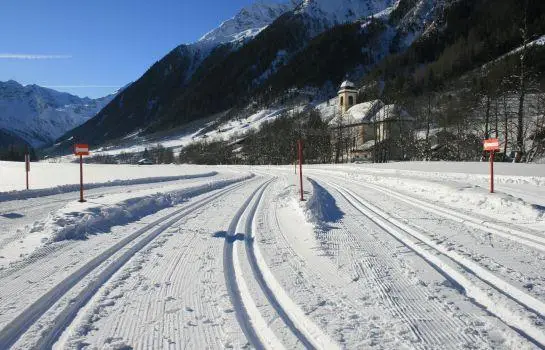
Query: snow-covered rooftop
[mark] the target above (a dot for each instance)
(364, 112)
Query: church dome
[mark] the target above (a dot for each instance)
(348, 85)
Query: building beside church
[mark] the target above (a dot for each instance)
(367, 131)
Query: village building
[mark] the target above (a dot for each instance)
(369, 130)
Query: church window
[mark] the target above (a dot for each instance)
(350, 100)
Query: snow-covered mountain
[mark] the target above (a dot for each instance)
(40, 115)
(265, 46)
(246, 24)
(342, 11)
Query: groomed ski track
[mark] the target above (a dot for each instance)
(241, 263)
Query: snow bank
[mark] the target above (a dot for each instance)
(45, 175)
(77, 221)
(17, 195)
(321, 208)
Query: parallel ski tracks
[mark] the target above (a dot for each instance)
(474, 279)
(526, 237)
(12, 331)
(254, 326)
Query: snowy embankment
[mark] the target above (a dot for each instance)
(518, 199)
(18, 195)
(79, 220)
(54, 177)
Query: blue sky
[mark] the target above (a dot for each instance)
(92, 47)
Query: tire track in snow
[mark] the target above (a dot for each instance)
(464, 273)
(254, 326)
(18, 326)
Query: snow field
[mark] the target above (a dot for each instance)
(376, 257)
(53, 178)
(176, 286)
(406, 302)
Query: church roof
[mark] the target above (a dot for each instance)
(370, 112)
(364, 112)
(393, 112)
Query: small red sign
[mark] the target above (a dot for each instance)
(81, 150)
(492, 145)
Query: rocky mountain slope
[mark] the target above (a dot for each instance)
(315, 44)
(39, 115)
(226, 67)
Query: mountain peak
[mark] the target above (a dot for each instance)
(246, 24)
(343, 11)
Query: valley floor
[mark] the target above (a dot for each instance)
(407, 255)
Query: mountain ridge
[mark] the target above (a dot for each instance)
(40, 115)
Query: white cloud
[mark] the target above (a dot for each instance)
(19, 56)
(81, 86)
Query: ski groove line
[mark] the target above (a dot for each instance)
(395, 291)
(529, 239)
(247, 314)
(402, 232)
(12, 331)
(310, 336)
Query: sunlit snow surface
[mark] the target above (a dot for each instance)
(399, 255)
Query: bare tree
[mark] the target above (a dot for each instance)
(522, 85)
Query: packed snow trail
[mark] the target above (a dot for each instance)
(243, 228)
(496, 303)
(373, 258)
(13, 330)
(532, 239)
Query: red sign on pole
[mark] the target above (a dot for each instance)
(81, 150)
(491, 145)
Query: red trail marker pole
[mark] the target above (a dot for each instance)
(81, 150)
(300, 152)
(492, 171)
(491, 145)
(81, 200)
(27, 168)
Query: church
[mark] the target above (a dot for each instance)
(367, 131)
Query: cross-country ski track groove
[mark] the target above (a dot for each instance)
(254, 326)
(528, 238)
(13, 330)
(520, 311)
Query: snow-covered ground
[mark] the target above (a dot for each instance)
(400, 255)
(229, 130)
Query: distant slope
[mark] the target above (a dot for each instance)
(149, 98)
(8, 139)
(39, 115)
(313, 45)
(195, 81)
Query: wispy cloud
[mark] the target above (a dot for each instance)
(22, 56)
(81, 86)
